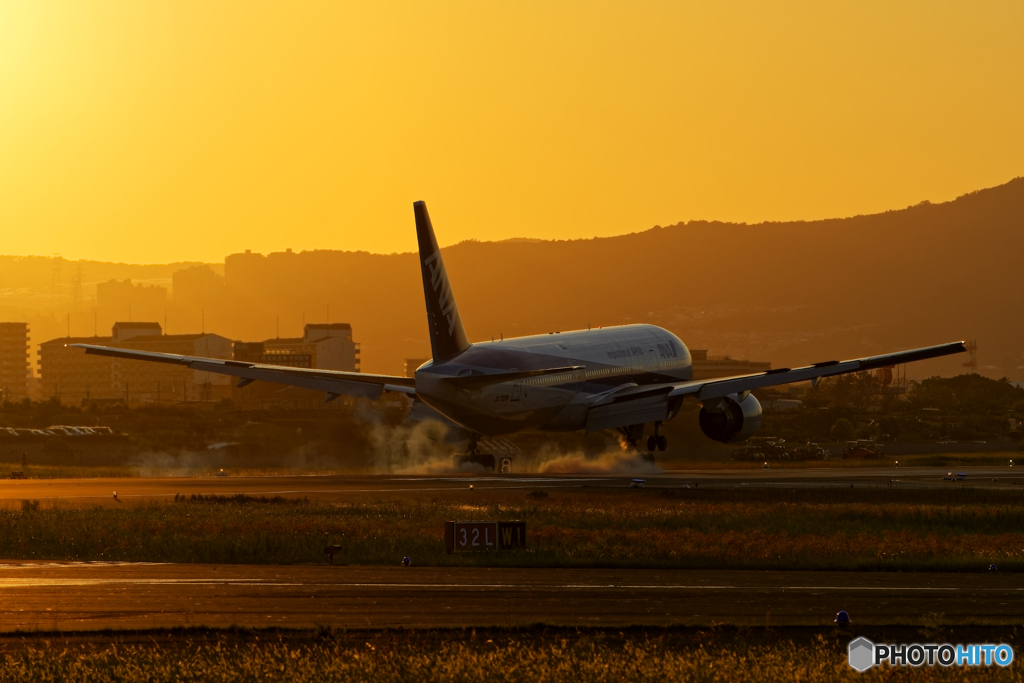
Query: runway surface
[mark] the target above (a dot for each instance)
(353, 486)
(75, 596)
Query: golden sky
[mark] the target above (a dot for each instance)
(169, 129)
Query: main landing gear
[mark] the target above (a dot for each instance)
(634, 433)
(656, 440)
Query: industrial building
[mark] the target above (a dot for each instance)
(328, 346)
(15, 371)
(73, 377)
(411, 364)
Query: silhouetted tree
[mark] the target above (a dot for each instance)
(965, 394)
(842, 430)
(856, 389)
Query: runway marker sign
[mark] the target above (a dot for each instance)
(481, 536)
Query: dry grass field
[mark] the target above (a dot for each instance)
(865, 528)
(535, 655)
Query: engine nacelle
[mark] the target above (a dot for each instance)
(730, 419)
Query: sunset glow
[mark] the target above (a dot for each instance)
(161, 131)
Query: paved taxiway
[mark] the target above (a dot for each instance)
(353, 486)
(55, 596)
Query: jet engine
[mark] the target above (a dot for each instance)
(731, 418)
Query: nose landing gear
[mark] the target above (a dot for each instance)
(499, 459)
(485, 460)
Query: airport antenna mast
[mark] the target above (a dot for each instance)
(972, 358)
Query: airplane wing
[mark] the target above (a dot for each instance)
(334, 383)
(632, 404)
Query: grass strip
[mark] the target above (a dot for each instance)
(532, 654)
(952, 529)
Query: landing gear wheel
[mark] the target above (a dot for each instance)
(485, 460)
(662, 443)
(653, 442)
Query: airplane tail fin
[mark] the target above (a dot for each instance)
(447, 336)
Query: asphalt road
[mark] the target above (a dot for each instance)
(352, 486)
(75, 597)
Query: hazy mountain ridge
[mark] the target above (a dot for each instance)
(788, 292)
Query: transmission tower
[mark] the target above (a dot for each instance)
(972, 356)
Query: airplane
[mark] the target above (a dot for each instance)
(621, 377)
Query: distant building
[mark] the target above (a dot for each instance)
(72, 376)
(325, 346)
(114, 294)
(322, 346)
(411, 364)
(708, 367)
(14, 366)
(197, 285)
(781, 404)
(122, 332)
(35, 387)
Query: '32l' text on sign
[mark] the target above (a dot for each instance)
(473, 536)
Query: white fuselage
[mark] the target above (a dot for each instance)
(611, 357)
